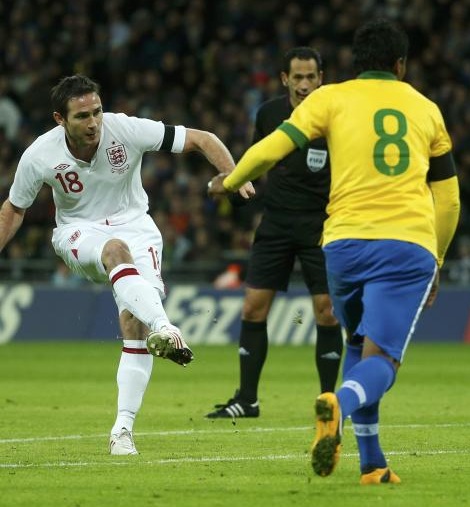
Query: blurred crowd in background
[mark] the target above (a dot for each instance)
(208, 65)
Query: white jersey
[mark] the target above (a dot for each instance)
(107, 190)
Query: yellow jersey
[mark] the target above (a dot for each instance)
(381, 133)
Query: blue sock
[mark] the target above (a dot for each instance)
(365, 383)
(352, 357)
(366, 429)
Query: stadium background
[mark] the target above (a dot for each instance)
(208, 65)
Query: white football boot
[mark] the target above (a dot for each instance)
(122, 443)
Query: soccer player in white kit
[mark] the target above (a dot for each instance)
(92, 162)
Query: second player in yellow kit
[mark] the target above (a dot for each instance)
(393, 210)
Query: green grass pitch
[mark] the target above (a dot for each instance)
(57, 405)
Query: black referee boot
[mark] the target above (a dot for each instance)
(235, 407)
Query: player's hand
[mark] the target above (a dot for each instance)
(433, 294)
(215, 188)
(247, 191)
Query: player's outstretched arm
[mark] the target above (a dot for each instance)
(216, 153)
(260, 158)
(257, 160)
(11, 219)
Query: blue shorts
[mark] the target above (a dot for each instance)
(379, 288)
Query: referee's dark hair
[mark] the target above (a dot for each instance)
(302, 53)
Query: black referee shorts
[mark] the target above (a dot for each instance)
(280, 238)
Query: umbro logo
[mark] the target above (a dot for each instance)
(61, 167)
(74, 237)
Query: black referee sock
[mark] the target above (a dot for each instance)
(252, 352)
(328, 355)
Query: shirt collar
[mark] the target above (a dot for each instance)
(377, 74)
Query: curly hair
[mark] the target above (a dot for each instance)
(378, 45)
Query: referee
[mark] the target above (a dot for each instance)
(295, 199)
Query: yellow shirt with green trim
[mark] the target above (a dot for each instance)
(381, 133)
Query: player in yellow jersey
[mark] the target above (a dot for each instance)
(393, 210)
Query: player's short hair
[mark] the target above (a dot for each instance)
(70, 87)
(302, 53)
(378, 44)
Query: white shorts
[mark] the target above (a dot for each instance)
(80, 245)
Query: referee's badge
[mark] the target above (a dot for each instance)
(316, 159)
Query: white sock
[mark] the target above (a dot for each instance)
(133, 376)
(138, 296)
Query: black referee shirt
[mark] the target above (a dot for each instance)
(301, 181)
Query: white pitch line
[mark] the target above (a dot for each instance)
(232, 430)
(165, 433)
(205, 459)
